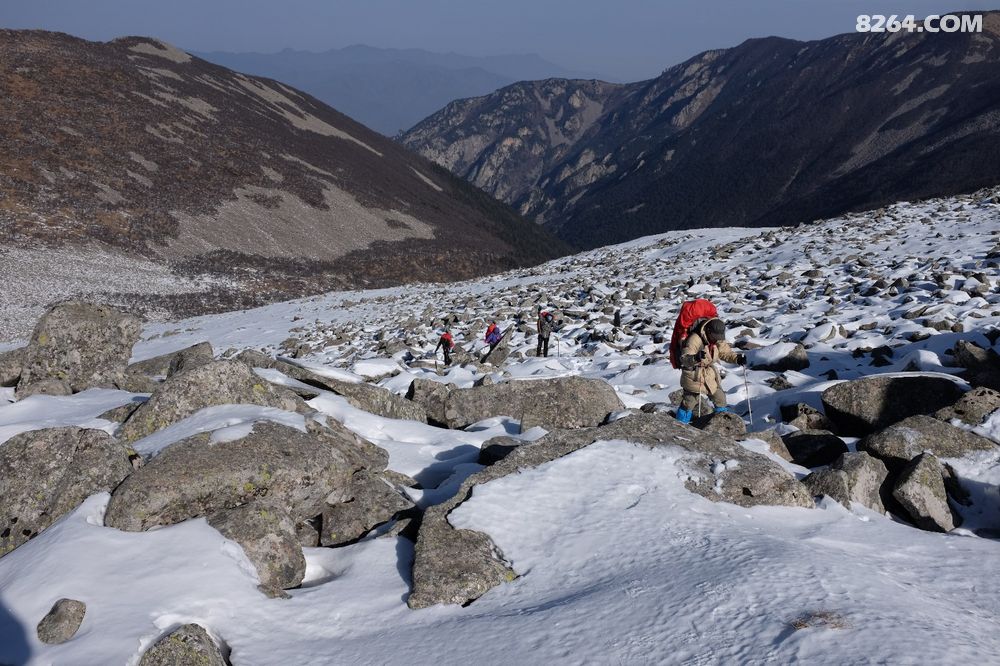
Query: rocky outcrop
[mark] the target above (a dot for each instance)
(864, 406)
(972, 408)
(267, 535)
(812, 448)
(11, 363)
(565, 402)
(79, 345)
(190, 358)
(852, 478)
(458, 566)
(46, 473)
(370, 502)
(432, 397)
(187, 644)
(903, 441)
(216, 383)
(62, 622)
(921, 491)
(299, 471)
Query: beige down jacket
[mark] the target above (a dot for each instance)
(705, 377)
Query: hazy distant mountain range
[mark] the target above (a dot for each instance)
(390, 90)
(773, 131)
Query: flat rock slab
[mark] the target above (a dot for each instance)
(903, 441)
(863, 406)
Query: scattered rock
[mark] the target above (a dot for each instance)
(812, 448)
(10, 366)
(864, 406)
(853, 477)
(46, 473)
(190, 358)
(299, 471)
(217, 383)
(901, 442)
(805, 417)
(780, 357)
(972, 408)
(774, 442)
(372, 502)
(268, 537)
(920, 490)
(458, 566)
(188, 644)
(62, 622)
(81, 345)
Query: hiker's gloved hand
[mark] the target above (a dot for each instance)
(741, 360)
(700, 356)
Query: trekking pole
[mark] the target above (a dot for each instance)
(701, 387)
(746, 387)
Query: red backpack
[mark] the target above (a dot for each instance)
(691, 312)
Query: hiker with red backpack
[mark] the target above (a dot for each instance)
(698, 343)
(446, 342)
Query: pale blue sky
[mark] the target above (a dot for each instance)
(622, 39)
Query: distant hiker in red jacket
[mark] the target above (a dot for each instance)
(493, 335)
(446, 342)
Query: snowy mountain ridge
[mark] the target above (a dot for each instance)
(615, 560)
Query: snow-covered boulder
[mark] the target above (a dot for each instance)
(901, 442)
(299, 471)
(972, 408)
(266, 533)
(864, 406)
(46, 473)
(921, 491)
(779, 357)
(853, 477)
(216, 383)
(371, 502)
(812, 448)
(459, 565)
(187, 644)
(10, 366)
(82, 345)
(62, 622)
(561, 402)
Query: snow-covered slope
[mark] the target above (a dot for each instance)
(618, 562)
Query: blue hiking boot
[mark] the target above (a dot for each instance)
(684, 415)
(719, 410)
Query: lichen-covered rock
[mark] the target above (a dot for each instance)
(812, 448)
(563, 402)
(299, 471)
(853, 477)
(62, 622)
(11, 363)
(372, 502)
(920, 490)
(457, 565)
(80, 344)
(190, 358)
(268, 537)
(46, 473)
(973, 408)
(187, 645)
(864, 406)
(216, 383)
(432, 397)
(903, 441)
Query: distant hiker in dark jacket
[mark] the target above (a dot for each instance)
(544, 326)
(446, 342)
(704, 347)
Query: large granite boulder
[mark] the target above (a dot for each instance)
(972, 408)
(186, 645)
(372, 501)
(62, 622)
(903, 441)
(779, 357)
(852, 478)
(268, 537)
(920, 489)
(216, 383)
(46, 473)
(299, 471)
(562, 402)
(864, 406)
(458, 565)
(812, 448)
(432, 396)
(80, 345)
(727, 424)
